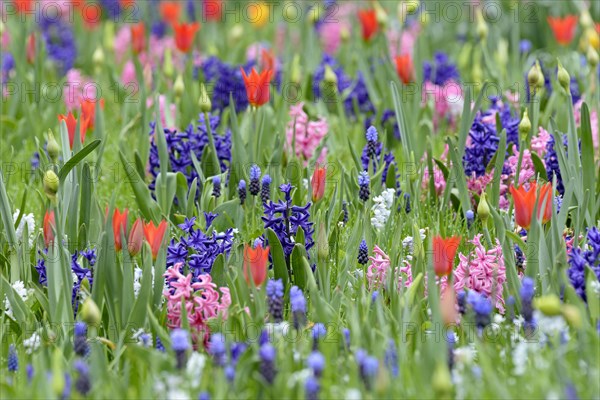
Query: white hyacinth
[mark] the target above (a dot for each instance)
(26, 219)
(381, 208)
(32, 343)
(19, 287)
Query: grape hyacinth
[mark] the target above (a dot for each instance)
(316, 362)
(372, 142)
(391, 358)
(217, 349)
(318, 331)
(345, 212)
(298, 307)
(242, 191)
(180, 342)
(363, 252)
(254, 179)
(367, 367)
(80, 344)
(216, 187)
(13, 359)
(265, 191)
(527, 293)
(275, 299)
(159, 345)
(312, 387)
(83, 383)
(482, 307)
(363, 183)
(267, 354)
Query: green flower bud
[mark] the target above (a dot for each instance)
(236, 33)
(178, 86)
(549, 304)
(168, 68)
(572, 315)
(533, 76)
(540, 83)
(483, 208)
(98, 57)
(525, 124)
(90, 312)
(322, 243)
(52, 147)
(441, 380)
(563, 78)
(592, 57)
(204, 101)
(380, 14)
(51, 182)
(109, 36)
(330, 76)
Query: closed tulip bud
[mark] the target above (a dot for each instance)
(204, 101)
(593, 38)
(51, 185)
(296, 75)
(236, 33)
(572, 315)
(90, 312)
(168, 68)
(525, 125)
(52, 148)
(482, 29)
(381, 15)
(533, 76)
(85, 285)
(549, 304)
(178, 86)
(98, 57)
(483, 208)
(441, 380)
(563, 78)
(586, 19)
(448, 306)
(540, 83)
(412, 6)
(592, 57)
(322, 243)
(136, 238)
(330, 76)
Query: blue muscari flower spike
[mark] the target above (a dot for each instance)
(391, 358)
(83, 383)
(204, 396)
(80, 344)
(298, 307)
(229, 373)
(30, 371)
(363, 252)
(216, 186)
(217, 349)
(13, 359)
(527, 292)
(255, 172)
(316, 362)
(159, 345)
(367, 366)
(180, 343)
(363, 183)
(242, 191)
(267, 356)
(374, 296)
(372, 134)
(264, 337)
(346, 333)
(275, 299)
(265, 192)
(254, 179)
(312, 387)
(482, 307)
(579, 259)
(470, 217)
(524, 46)
(318, 331)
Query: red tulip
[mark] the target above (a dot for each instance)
(268, 60)
(30, 50)
(88, 112)
(119, 223)
(136, 238)
(255, 263)
(404, 67)
(23, 6)
(318, 183)
(154, 236)
(525, 203)
(71, 122)
(49, 227)
(444, 251)
(563, 28)
(257, 86)
(368, 22)
(213, 10)
(184, 35)
(138, 37)
(169, 11)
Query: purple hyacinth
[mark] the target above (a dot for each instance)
(461, 300)
(363, 183)
(265, 191)
(242, 191)
(440, 70)
(298, 307)
(225, 80)
(482, 307)
(312, 387)
(267, 354)
(285, 219)
(481, 150)
(316, 362)
(59, 41)
(586, 256)
(275, 299)
(217, 349)
(552, 165)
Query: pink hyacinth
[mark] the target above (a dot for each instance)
(404, 43)
(593, 121)
(438, 176)
(128, 74)
(380, 266)
(448, 101)
(162, 106)
(122, 43)
(483, 271)
(336, 24)
(307, 134)
(77, 88)
(539, 142)
(202, 301)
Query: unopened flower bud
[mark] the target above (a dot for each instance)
(51, 182)
(98, 57)
(236, 33)
(572, 315)
(592, 57)
(540, 83)
(330, 76)
(586, 19)
(533, 76)
(549, 304)
(380, 14)
(168, 68)
(204, 101)
(322, 243)
(178, 86)
(52, 147)
(441, 380)
(563, 78)
(411, 6)
(109, 36)
(136, 238)
(58, 375)
(525, 124)
(90, 312)
(483, 208)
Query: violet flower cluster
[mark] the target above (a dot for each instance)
(582, 257)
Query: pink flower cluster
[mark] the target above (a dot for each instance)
(202, 301)
(77, 88)
(305, 135)
(380, 266)
(448, 101)
(438, 176)
(483, 271)
(593, 121)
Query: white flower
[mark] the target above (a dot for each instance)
(26, 219)
(520, 356)
(32, 344)
(381, 208)
(195, 366)
(137, 277)
(551, 327)
(299, 376)
(409, 242)
(595, 286)
(353, 394)
(305, 183)
(19, 287)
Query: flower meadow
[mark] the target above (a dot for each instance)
(209, 199)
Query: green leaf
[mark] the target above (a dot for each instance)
(218, 271)
(280, 268)
(7, 214)
(297, 261)
(538, 165)
(73, 161)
